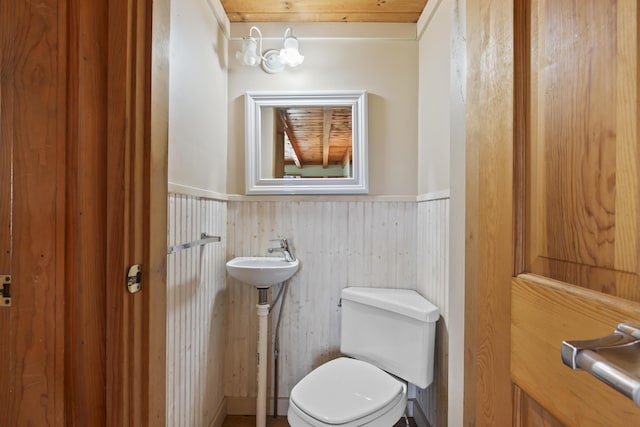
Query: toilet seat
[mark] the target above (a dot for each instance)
(347, 392)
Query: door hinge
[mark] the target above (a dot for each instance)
(134, 278)
(5, 290)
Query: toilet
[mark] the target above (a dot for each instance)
(387, 339)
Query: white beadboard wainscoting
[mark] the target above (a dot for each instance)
(212, 326)
(433, 284)
(339, 244)
(196, 304)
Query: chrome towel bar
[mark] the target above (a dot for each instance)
(613, 359)
(204, 239)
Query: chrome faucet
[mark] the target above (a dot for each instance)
(284, 248)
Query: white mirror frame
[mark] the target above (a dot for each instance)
(357, 184)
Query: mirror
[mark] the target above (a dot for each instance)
(306, 142)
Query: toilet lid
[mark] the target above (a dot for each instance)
(344, 390)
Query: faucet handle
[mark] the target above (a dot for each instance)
(284, 248)
(284, 243)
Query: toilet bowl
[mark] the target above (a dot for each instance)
(347, 392)
(389, 336)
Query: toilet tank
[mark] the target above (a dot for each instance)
(393, 329)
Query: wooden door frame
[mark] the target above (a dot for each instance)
(115, 91)
(156, 308)
(489, 253)
(84, 146)
(137, 209)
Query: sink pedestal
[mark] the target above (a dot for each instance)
(262, 272)
(263, 325)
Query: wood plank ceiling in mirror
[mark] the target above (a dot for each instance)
(316, 135)
(324, 11)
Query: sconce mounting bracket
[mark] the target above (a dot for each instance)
(271, 62)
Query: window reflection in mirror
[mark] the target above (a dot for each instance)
(307, 142)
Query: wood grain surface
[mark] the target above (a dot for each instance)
(324, 11)
(32, 134)
(86, 148)
(489, 212)
(583, 207)
(545, 313)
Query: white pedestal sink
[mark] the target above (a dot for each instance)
(262, 272)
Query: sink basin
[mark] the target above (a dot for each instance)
(261, 272)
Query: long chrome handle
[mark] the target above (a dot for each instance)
(613, 359)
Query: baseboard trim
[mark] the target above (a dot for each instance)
(241, 405)
(221, 414)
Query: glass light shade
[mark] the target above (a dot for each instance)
(249, 54)
(289, 54)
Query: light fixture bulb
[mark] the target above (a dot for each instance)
(290, 55)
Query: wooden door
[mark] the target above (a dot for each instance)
(578, 236)
(32, 220)
(79, 180)
(553, 205)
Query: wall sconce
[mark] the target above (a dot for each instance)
(273, 60)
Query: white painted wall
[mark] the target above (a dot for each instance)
(197, 165)
(382, 59)
(442, 88)
(434, 125)
(198, 95)
(457, 219)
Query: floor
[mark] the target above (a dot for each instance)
(250, 421)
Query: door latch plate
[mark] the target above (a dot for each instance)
(134, 278)
(5, 291)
